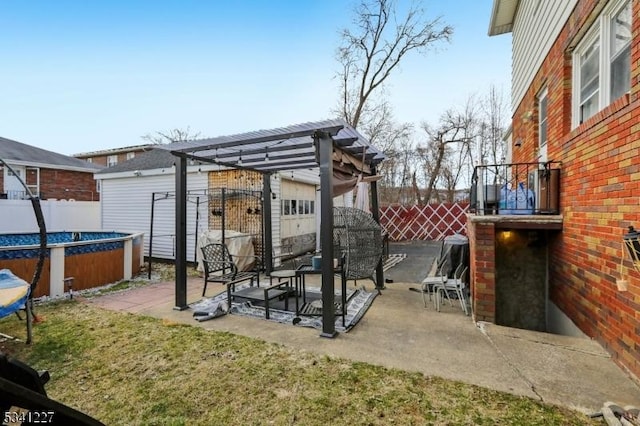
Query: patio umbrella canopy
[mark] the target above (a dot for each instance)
(343, 155)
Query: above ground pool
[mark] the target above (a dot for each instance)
(75, 260)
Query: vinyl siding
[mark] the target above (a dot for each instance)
(126, 206)
(537, 25)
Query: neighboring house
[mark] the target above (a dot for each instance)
(47, 174)
(575, 90)
(111, 157)
(128, 188)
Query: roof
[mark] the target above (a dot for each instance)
(502, 16)
(143, 147)
(154, 159)
(16, 152)
(284, 148)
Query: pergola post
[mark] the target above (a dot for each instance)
(181, 233)
(267, 236)
(324, 144)
(375, 211)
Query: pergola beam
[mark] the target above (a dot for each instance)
(242, 140)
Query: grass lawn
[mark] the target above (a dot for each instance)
(125, 369)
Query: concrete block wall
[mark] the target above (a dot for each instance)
(599, 194)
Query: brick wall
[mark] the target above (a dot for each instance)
(65, 185)
(599, 195)
(482, 270)
(62, 184)
(101, 159)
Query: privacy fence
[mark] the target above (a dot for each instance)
(430, 222)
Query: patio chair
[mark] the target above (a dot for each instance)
(219, 267)
(440, 277)
(14, 297)
(455, 284)
(358, 238)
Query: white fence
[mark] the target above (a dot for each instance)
(17, 216)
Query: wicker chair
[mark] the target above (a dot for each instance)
(358, 238)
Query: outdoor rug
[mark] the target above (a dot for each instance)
(358, 301)
(393, 260)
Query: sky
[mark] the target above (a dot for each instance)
(78, 76)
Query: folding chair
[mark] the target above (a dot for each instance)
(455, 284)
(429, 283)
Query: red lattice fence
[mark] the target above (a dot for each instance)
(432, 222)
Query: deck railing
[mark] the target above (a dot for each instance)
(516, 188)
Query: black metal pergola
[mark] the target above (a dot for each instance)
(342, 155)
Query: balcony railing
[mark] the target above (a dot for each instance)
(517, 188)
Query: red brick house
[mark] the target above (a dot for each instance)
(114, 156)
(47, 174)
(575, 86)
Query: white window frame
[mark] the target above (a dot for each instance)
(131, 155)
(112, 160)
(601, 31)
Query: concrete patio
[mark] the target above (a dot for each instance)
(399, 332)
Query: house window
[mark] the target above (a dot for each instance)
(602, 62)
(542, 118)
(130, 155)
(89, 160)
(112, 160)
(620, 58)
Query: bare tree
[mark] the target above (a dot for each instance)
(493, 118)
(455, 128)
(375, 46)
(173, 135)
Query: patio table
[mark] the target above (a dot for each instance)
(305, 270)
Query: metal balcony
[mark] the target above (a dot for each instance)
(516, 189)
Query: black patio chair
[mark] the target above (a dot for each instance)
(219, 267)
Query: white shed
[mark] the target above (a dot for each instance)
(127, 189)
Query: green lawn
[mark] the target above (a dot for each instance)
(125, 369)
